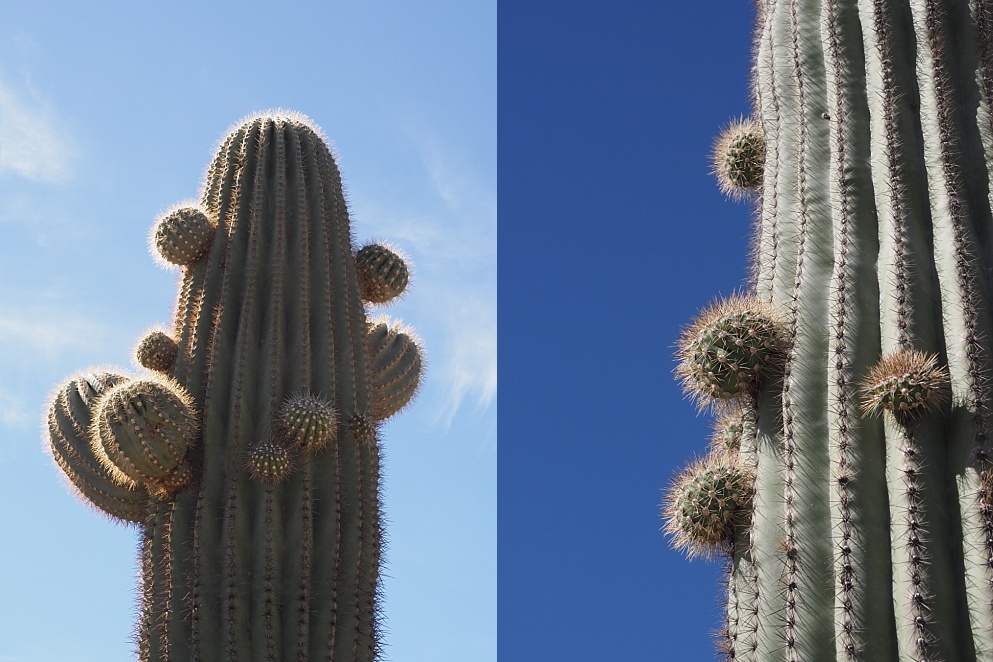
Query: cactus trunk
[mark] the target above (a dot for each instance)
(869, 537)
(271, 549)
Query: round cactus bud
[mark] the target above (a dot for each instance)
(724, 353)
(156, 351)
(382, 273)
(182, 236)
(308, 421)
(739, 158)
(906, 384)
(705, 502)
(142, 429)
(394, 366)
(269, 462)
(363, 428)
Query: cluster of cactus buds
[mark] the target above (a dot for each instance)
(861, 402)
(249, 455)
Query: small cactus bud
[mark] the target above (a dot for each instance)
(269, 462)
(141, 430)
(183, 235)
(156, 351)
(724, 353)
(906, 384)
(739, 158)
(308, 421)
(727, 431)
(382, 273)
(704, 502)
(363, 428)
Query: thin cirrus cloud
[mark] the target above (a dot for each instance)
(456, 276)
(32, 145)
(46, 332)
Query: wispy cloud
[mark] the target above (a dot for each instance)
(461, 269)
(452, 239)
(47, 332)
(32, 144)
(471, 365)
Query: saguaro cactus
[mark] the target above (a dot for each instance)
(869, 535)
(249, 458)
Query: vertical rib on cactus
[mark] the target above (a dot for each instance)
(272, 550)
(871, 536)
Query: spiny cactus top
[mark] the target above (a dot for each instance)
(250, 457)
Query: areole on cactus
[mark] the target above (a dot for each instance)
(250, 457)
(870, 537)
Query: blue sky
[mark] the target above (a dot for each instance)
(109, 113)
(612, 235)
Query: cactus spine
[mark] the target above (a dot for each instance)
(871, 534)
(271, 548)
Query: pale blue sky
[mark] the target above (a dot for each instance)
(109, 113)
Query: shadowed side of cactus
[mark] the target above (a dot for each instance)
(270, 547)
(871, 537)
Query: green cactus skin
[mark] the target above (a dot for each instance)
(383, 273)
(277, 560)
(871, 537)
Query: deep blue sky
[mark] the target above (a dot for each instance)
(612, 234)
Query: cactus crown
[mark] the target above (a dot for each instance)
(703, 504)
(725, 351)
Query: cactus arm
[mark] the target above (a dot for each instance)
(69, 420)
(395, 360)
